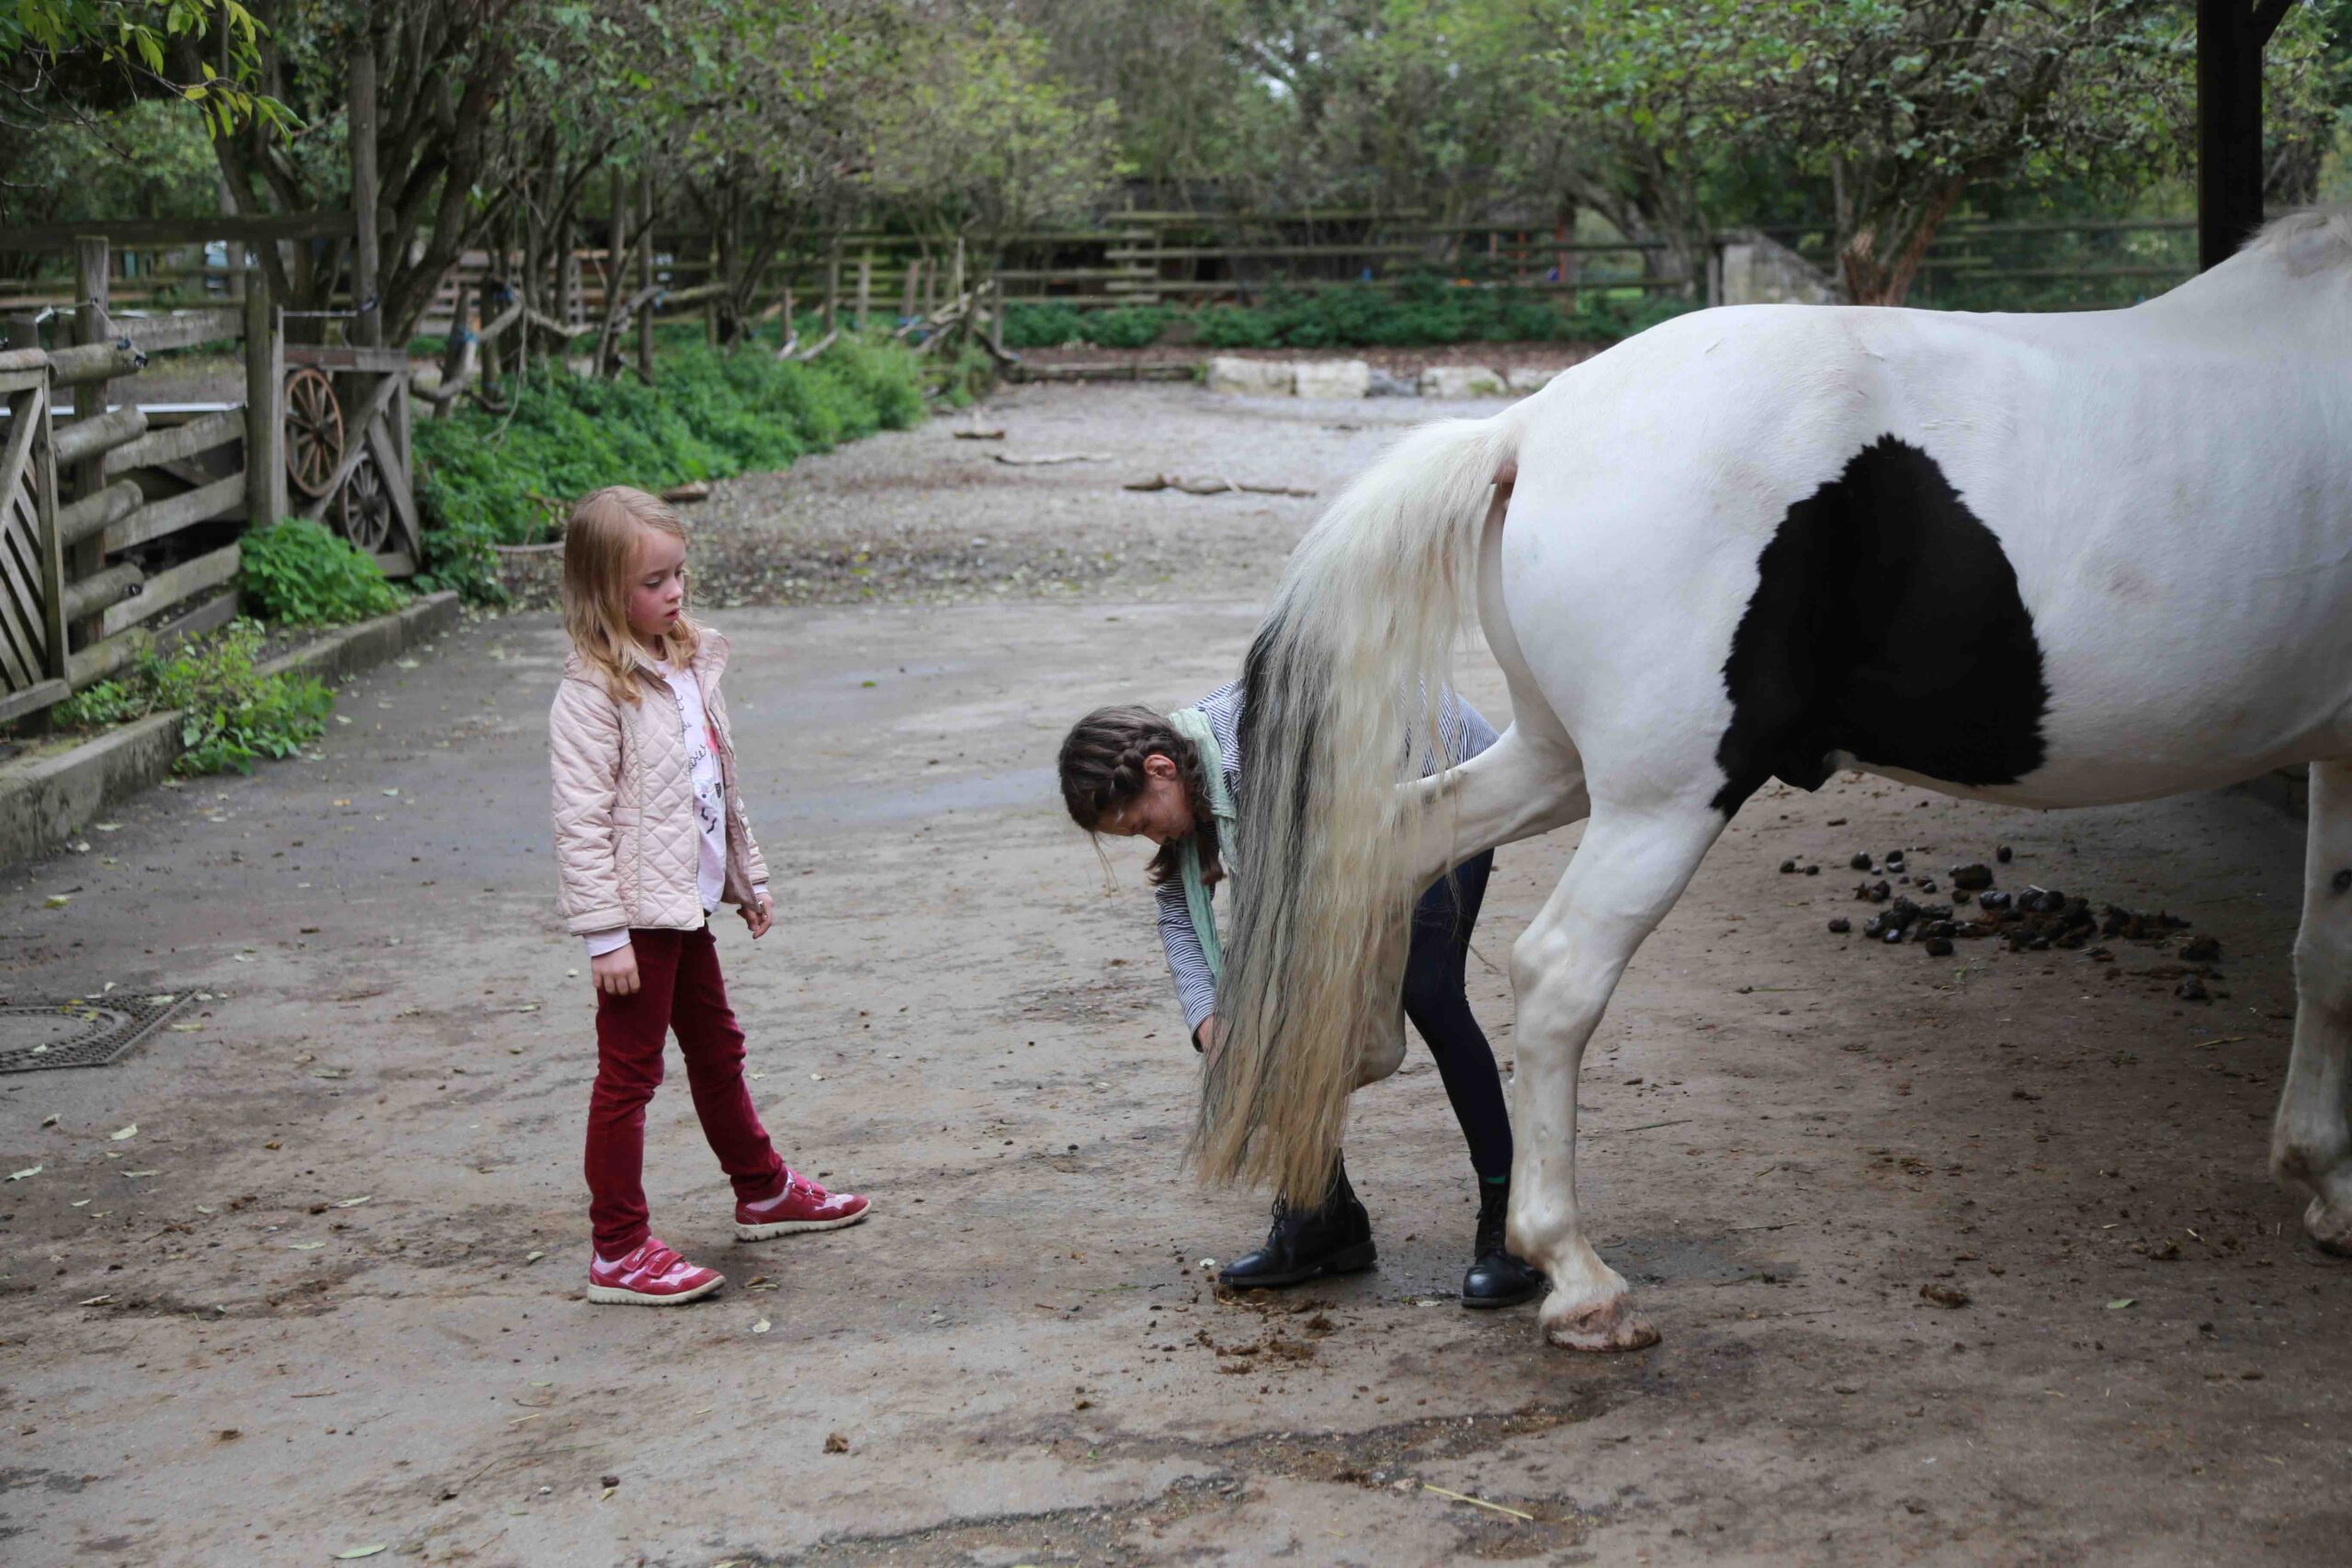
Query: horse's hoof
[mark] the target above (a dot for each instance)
(1610, 1324)
(2330, 1226)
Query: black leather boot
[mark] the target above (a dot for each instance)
(1496, 1279)
(1333, 1237)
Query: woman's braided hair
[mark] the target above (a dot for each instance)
(1102, 770)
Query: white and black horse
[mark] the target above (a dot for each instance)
(2042, 560)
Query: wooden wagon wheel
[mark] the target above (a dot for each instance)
(364, 509)
(313, 431)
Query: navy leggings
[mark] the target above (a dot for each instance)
(1435, 1001)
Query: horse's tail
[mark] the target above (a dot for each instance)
(1351, 660)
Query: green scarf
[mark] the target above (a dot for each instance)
(1193, 726)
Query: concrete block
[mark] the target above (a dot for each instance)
(1462, 381)
(1334, 378)
(1526, 378)
(1252, 377)
(44, 800)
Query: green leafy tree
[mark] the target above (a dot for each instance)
(977, 138)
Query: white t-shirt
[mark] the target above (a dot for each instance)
(711, 800)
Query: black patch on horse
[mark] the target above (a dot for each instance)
(1886, 625)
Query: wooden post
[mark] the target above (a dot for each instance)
(92, 324)
(911, 293)
(233, 254)
(366, 279)
(955, 273)
(616, 262)
(865, 288)
(832, 282)
(265, 412)
(2230, 37)
(645, 279)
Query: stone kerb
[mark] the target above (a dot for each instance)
(1346, 379)
(1252, 377)
(1334, 378)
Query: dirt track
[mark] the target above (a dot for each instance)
(1790, 1135)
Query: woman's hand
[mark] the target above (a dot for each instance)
(1204, 1039)
(759, 915)
(615, 973)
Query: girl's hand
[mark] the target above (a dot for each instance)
(759, 916)
(615, 973)
(1204, 1039)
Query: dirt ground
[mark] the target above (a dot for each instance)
(326, 1296)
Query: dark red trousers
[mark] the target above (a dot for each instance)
(679, 987)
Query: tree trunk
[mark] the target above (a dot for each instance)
(1881, 256)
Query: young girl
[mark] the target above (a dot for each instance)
(651, 835)
(1128, 770)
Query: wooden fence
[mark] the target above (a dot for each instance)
(121, 521)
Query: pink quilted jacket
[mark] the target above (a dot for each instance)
(626, 845)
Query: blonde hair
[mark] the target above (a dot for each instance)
(600, 546)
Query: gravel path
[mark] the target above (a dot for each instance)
(1961, 1259)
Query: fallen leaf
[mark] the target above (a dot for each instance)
(93, 1301)
(608, 1492)
(105, 827)
(2119, 1303)
(354, 1202)
(202, 1210)
(121, 1133)
(28, 1170)
(59, 900)
(304, 1245)
(186, 1028)
(534, 1255)
(836, 1444)
(360, 1551)
(761, 1326)
(129, 1175)
(391, 792)
(49, 1120)
(1945, 1295)
(404, 664)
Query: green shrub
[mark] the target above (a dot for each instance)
(298, 573)
(1234, 326)
(1042, 326)
(95, 707)
(708, 415)
(233, 716)
(1051, 326)
(1422, 310)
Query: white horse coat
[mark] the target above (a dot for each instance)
(2043, 560)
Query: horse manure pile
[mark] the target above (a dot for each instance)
(2033, 920)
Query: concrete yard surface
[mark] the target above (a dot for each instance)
(327, 1295)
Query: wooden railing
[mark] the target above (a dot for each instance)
(120, 523)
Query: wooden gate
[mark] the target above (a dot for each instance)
(32, 598)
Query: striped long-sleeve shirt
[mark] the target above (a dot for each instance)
(1466, 733)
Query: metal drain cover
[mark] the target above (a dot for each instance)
(35, 1036)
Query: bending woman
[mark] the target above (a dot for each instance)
(1130, 772)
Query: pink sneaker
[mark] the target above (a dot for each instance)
(651, 1276)
(800, 1205)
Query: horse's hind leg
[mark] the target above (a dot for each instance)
(1627, 873)
(2311, 1141)
(1528, 782)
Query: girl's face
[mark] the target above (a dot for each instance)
(657, 592)
(1162, 812)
